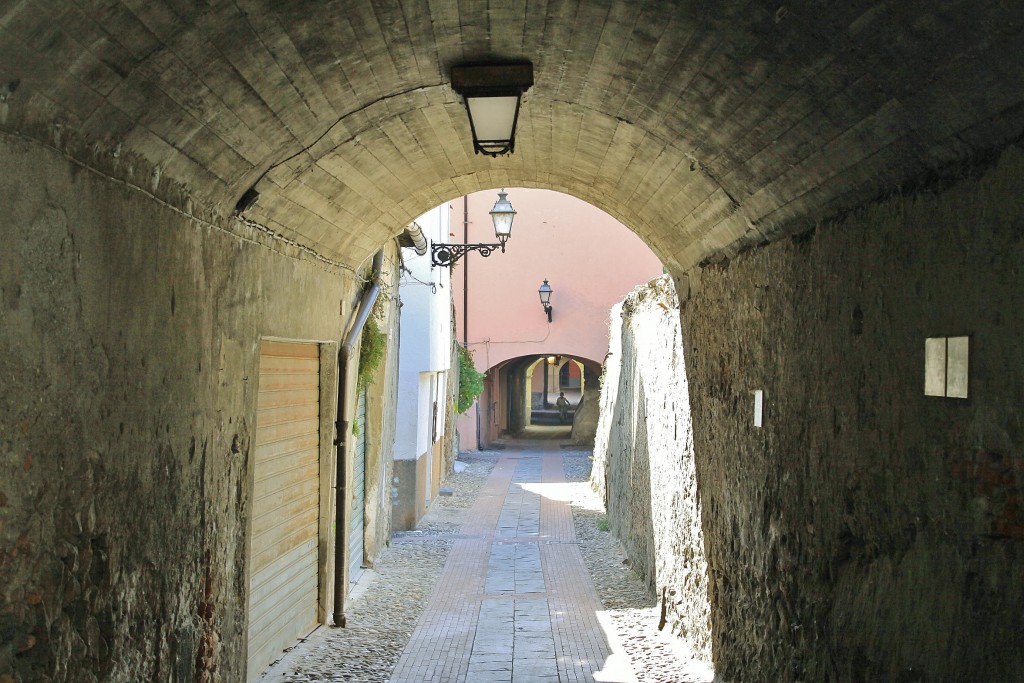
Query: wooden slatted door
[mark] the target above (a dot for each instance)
(286, 501)
(355, 539)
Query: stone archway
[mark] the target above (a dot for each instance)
(708, 128)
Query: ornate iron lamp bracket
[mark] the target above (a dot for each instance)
(448, 254)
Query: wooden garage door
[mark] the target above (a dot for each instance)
(286, 502)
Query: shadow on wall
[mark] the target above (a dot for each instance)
(630, 512)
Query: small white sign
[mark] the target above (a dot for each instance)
(956, 366)
(946, 367)
(758, 407)
(935, 366)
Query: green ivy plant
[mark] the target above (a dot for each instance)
(371, 352)
(471, 381)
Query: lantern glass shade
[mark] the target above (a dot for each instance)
(502, 216)
(493, 120)
(545, 293)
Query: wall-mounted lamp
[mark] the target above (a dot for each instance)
(502, 216)
(493, 93)
(545, 297)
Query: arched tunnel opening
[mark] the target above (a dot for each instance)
(194, 197)
(549, 378)
(533, 386)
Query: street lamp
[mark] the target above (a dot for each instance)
(545, 297)
(502, 216)
(493, 93)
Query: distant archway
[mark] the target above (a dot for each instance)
(509, 402)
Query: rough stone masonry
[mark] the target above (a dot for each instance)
(865, 531)
(644, 459)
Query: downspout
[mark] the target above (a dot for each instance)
(342, 428)
(465, 302)
(465, 273)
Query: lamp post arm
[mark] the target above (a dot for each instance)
(449, 254)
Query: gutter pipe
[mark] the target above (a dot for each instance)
(341, 430)
(414, 238)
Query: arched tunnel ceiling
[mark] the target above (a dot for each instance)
(704, 126)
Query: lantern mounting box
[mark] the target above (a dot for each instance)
(492, 94)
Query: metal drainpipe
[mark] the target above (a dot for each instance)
(342, 428)
(465, 300)
(465, 273)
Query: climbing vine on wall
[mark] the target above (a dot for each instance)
(371, 350)
(471, 381)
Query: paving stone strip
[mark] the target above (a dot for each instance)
(538, 613)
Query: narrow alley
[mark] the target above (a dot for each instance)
(513, 602)
(269, 267)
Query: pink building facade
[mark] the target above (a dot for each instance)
(590, 260)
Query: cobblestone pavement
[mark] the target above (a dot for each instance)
(480, 628)
(390, 598)
(655, 656)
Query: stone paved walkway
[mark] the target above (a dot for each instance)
(515, 603)
(522, 580)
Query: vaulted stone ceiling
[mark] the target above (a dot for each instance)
(705, 126)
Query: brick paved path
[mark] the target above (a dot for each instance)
(515, 603)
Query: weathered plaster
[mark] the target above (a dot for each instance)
(129, 337)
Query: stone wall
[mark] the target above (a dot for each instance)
(586, 416)
(129, 340)
(644, 461)
(866, 531)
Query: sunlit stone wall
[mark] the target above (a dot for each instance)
(643, 458)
